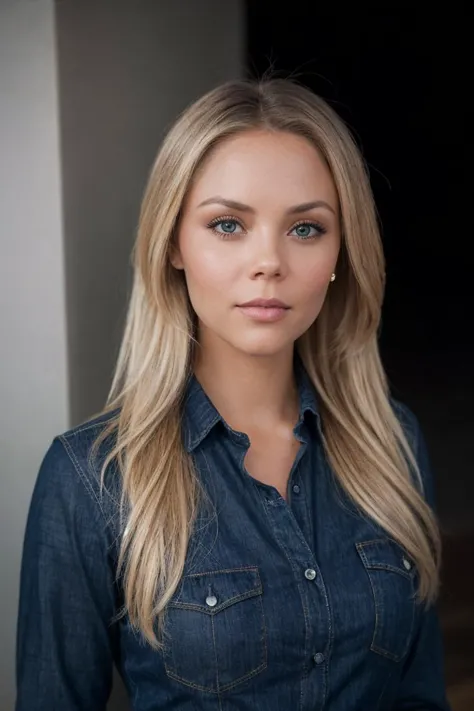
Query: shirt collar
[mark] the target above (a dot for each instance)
(200, 415)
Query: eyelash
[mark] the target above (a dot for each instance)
(321, 230)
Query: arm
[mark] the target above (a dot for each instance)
(64, 656)
(423, 687)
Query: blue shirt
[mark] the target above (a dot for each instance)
(297, 605)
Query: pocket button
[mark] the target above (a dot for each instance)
(407, 564)
(211, 600)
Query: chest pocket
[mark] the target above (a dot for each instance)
(215, 635)
(392, 577)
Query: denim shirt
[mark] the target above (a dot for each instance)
(301, 604)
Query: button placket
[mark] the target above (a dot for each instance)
(310, 584)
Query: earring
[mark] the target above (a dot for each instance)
(333, 277)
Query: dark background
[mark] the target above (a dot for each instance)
(398, 76)
(395, 76)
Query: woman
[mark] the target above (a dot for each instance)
(249, 523)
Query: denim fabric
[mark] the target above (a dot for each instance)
(297, 605)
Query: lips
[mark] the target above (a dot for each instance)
(265, 304)
(264, 310)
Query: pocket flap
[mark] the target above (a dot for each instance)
(215, 590)
(386, 554)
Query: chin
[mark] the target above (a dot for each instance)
(263, 347)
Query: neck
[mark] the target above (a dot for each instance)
(250, 392)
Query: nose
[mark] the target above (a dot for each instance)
(267, 258)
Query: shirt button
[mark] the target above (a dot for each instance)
(310, 574)
(211, 600)
(319, 658)
(296, 489)
(407, 564)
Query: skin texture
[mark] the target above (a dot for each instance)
(245, 365)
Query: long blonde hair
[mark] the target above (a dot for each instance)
(364, 441)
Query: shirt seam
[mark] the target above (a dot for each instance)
(82, 476)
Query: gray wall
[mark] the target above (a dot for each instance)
(33, 366)
(84, 97)
(126, 68)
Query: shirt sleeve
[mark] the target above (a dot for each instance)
(423, 680)
(65, 640)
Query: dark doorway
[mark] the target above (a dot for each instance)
(397, 75)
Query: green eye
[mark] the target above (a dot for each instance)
(228, 226)
(225, 227)
(308, 230)
(303, 230)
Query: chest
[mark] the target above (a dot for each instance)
(270, 460)
(277, 596)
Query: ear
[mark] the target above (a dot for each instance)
(175, 257)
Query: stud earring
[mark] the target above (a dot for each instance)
(333, 277)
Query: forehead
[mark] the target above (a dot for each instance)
(264, 166)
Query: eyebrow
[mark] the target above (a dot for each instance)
(294, 210)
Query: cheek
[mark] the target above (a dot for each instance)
(314, 281)
(313, 286)
(208, 273)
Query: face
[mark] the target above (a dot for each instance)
(260, 222)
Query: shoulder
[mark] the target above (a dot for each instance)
(88, 430)
(78, 444)
(69, 478)
(416, 439)
(408, 421)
